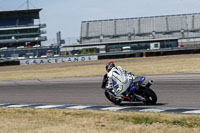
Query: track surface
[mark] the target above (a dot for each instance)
(173, 90)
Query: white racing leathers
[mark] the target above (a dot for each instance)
(119, 80)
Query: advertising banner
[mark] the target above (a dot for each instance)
(58, 60)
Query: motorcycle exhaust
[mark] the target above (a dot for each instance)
(140, 97)
(149, 83)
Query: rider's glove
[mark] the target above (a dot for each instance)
(109, 86)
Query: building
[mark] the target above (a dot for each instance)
(141, 33)
(21, 28)
(141, 28)
(21, 34)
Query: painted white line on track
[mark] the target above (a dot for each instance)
(108, 108)
(114, 108)
(78, 107)
(47, 106)
(18, 106)
(152, 110)
(192, 112)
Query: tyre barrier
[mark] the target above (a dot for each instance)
(9, 63)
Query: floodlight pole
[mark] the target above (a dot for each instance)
(28, 4)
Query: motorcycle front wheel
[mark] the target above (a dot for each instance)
(150, 96)
(112, 98)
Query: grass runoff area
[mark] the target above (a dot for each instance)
(138, 66)
(27, 120)
(18, 120)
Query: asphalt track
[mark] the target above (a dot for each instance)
(173, 90)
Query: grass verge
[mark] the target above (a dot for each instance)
(64, 121)
(138, 66)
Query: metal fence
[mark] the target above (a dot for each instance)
(66, 41)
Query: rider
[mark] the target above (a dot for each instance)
(118, 79)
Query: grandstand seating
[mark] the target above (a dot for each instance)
(169, 26)
(19, 28)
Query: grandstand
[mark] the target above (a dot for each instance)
(141, 34)
(21, 28)
(21, 34)
(30, 52)
(141, 28)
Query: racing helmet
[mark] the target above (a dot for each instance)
(109, 66)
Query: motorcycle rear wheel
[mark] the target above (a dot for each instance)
(150, 96)
(112, 98)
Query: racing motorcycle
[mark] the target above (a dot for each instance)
(137, 91)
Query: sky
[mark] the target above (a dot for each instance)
(66, 15)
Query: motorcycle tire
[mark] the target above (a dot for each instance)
(150, 96)
(112, 98)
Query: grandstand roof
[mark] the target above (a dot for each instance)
(141, 17)
(29, 13)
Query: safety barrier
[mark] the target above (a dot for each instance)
(9, 63)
